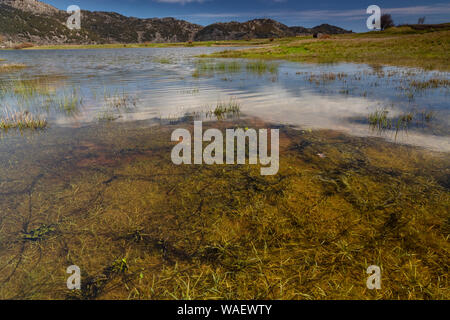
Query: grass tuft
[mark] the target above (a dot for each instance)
(21, 120)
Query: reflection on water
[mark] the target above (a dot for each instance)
(140, 84)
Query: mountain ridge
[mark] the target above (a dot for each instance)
(40, 23)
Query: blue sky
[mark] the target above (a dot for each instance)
(348, 14)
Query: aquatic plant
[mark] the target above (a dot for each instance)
(379, 120)
(225, 109)
(28, 88)
(326, 77)
(11, 67)
(260, 67)
(223, 232)
(120, 265)
(208, 68)
(108, 116)
(39, 233)
(120, 100)
(163, 60)
(67, 101)
(21, 120)
(430, 84)
(427, 51)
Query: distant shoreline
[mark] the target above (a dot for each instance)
(398, 46)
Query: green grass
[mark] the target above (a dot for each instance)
(261, 67)
(208, 69)
(254, 42)
(397, 46)
(163, 61)
(224, 110)
(381, 122)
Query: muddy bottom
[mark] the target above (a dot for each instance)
(108, 199)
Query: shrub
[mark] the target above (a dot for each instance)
(386, 21)
(23, 45)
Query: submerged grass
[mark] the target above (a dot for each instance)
(206, 68)
(120, 99)
(224, 110)
(140, 227)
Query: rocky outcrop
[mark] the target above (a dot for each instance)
(40, 23)
(258, 28)
(328, 29)
(31, 6)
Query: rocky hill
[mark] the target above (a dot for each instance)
(40, 23)
(328, 29)
(258, 28)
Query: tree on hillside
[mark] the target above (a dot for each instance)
(386, 21)
(421, 20)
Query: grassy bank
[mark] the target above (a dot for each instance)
(231, 43)
(397, 46)
(400, 46)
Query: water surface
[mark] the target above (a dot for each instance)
(160, 83)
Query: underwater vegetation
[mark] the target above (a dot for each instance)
(380, 120)
(120, 99)
(163, 60)
(50, 95)
(209, 68)
(115, 103)
(225, 110)
(140, 227)
(430, 84)
(398, 46)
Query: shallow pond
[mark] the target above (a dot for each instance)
(364, 179)
(144, 84)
